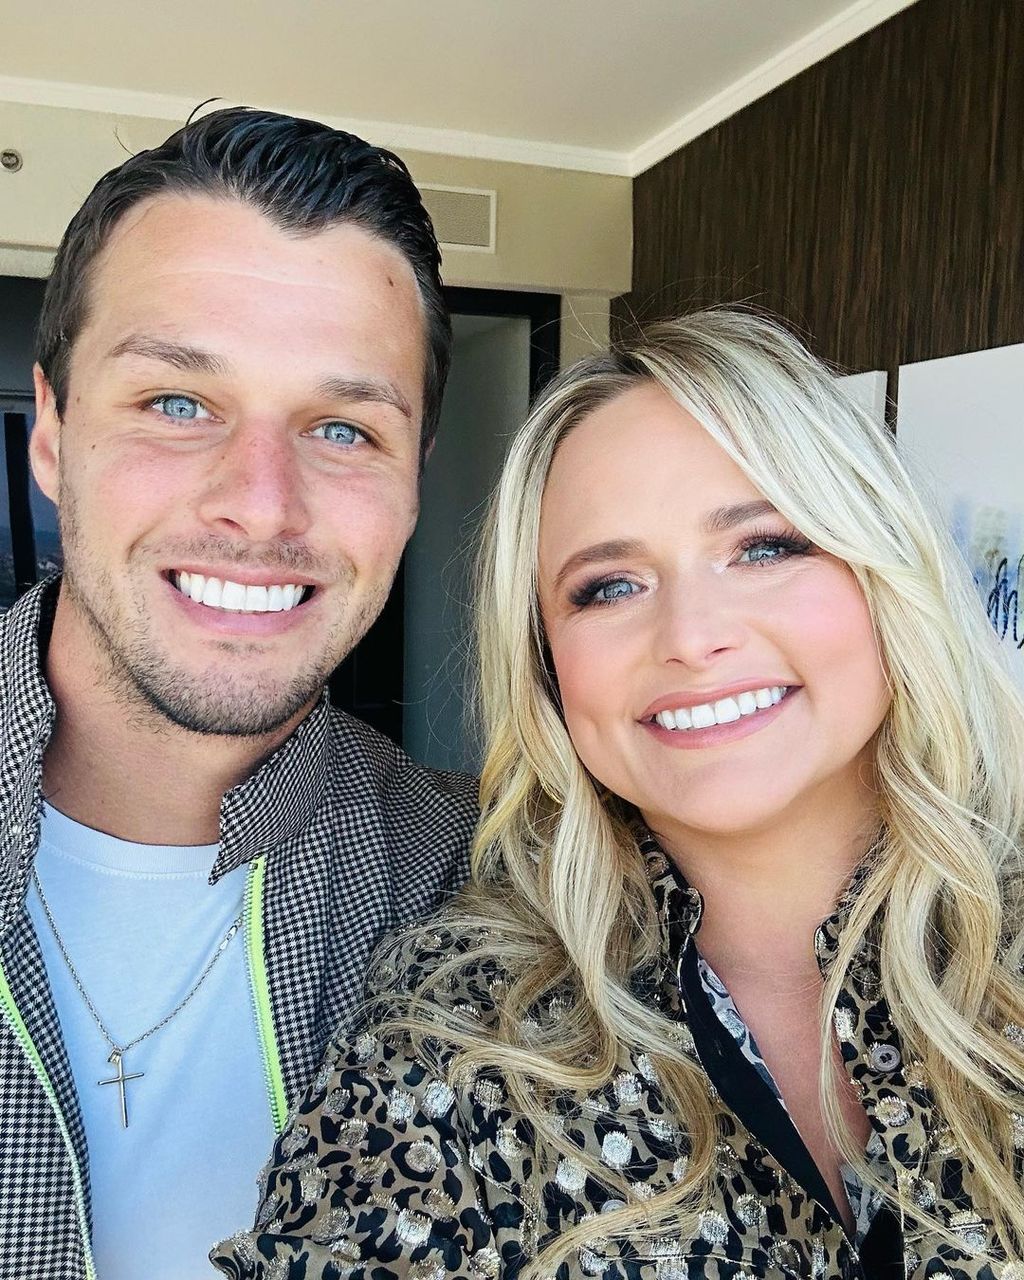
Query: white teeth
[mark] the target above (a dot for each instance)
(232, 596)
(236, 597)
(703, 717)
(724, 711)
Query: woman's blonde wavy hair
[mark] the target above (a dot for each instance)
(559, 896)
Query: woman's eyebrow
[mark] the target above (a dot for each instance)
(597, 553)
(722, 519)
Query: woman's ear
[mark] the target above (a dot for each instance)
(44, 442)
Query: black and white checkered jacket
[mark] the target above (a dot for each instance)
(344, 836)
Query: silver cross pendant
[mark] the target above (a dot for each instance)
(120, 1080)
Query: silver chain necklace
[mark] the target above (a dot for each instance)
(117, 1053)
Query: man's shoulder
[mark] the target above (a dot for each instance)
(409, 794)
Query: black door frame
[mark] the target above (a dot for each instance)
(15, 411)
(370, 682)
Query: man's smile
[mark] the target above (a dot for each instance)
(238, 597)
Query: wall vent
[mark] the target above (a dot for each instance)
(464, 217)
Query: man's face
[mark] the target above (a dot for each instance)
(236, 468)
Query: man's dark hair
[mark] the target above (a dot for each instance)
(302, 175)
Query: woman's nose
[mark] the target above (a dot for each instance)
(698, 621)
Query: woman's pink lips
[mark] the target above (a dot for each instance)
(228, 623)
(719, 734)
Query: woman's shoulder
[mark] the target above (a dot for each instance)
(441, 966)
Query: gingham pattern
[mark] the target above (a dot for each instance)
(358, 838)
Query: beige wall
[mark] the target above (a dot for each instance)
(558, 231)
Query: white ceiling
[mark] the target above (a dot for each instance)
(606, 85)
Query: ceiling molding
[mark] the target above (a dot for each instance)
(398, 137)
(817, 45)
(803, 53)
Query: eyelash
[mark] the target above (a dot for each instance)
(788, 544)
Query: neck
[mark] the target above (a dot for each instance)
(116, 764)
(766, 892)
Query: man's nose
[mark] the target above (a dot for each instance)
(255, 486)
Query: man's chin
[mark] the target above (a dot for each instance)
(226, 708)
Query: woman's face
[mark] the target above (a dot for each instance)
(678, 606)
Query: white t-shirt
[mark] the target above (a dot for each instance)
(140, 922)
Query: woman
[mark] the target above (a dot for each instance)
(735, 987)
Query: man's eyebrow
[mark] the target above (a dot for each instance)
(178, 354)
(598, 553)
(366, 390)
(722, 519)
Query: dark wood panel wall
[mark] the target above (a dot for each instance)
(876, 200)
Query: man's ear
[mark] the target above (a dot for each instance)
(44, 442)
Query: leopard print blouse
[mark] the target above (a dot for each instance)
(389, 1169)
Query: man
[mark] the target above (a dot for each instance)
(242, 352)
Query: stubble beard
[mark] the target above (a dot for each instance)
(142, 674)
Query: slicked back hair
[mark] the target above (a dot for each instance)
(302, 175)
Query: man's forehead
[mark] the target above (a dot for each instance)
(175, 232)
(219, 275)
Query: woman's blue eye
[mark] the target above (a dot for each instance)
(606, 592)
(614, 590)
(761, 550)
(185, 408)
(338, 432)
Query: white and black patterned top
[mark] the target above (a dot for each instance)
(357, 837)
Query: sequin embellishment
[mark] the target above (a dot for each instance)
(617, 1150)
(485, 1263)
(570, 1174)
(892, 1111)
(713, 1227)
(627, 1089)
(438, 1100)
(412, 1228)
(423, 1157)
(401, 1107)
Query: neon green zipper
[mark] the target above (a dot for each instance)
(260, 989)
(21, 1031)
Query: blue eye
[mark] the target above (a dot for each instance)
(183, 408)
(606, 591)
(762, 549)
(760, 552)
(338, 432)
